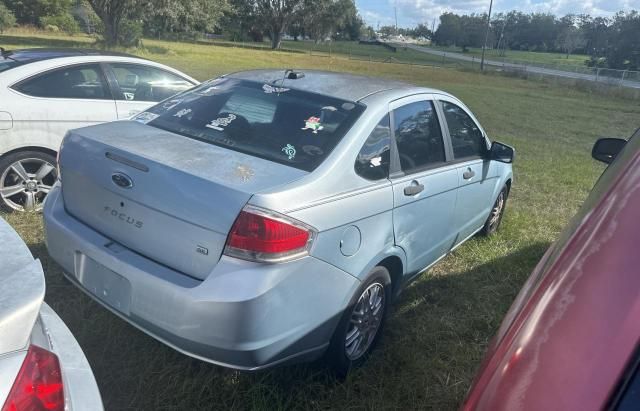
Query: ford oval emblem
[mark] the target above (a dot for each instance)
(122, 180)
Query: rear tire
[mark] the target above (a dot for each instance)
(26, 177)
(497, 212)
(361, 324)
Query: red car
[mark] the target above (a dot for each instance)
(571, 339)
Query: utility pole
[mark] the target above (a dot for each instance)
(395, 10)
(486, 37)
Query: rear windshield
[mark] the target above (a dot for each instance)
(6, 64)
(272, 122)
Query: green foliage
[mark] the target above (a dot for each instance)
(114, 13)
(449, 31)
(130, 33)
(30, 11)
(7, 19)
(275, 16)
(624, 49)
(63, 22)
(187, 17)
(239, 22)
(322, 19)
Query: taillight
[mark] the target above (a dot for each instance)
(265, 236)
(38, 386)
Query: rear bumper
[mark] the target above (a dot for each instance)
(243, 315)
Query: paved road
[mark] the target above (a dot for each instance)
(530, 69)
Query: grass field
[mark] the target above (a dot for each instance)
(525, 57)
(441, 325)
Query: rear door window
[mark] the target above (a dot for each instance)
(418, 136)
(138, 82)
(373, 160)
(76, 82)
(276, 123)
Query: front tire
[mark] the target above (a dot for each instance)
(497, 212)
(26, 177)
(361, 324)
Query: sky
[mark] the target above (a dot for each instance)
(412, 12)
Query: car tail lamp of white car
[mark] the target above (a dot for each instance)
(38, 386)
(268, 237)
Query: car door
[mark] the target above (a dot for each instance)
(138, 87)
(424, 184)
(477, 176)
(62, 99)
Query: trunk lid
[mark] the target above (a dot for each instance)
(21, 293)
(184, 196)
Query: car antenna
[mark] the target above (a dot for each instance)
(284, 77)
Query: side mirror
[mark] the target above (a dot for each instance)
(606, 149)
(502, 152)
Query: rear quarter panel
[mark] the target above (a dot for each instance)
(340, 204)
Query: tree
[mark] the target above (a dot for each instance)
(571, 39)
(113, 13)
(422, 31)
(473, 30)
(322, 18)
(239, 21)
(184, 16)
(7, 19)
(30, 11)
(449, 32)
(275, 16)
(353, 27)
(387, 31)
(623, 52)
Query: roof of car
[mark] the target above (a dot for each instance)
(341, 85)
(37, 54)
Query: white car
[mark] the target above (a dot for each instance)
(42, 367)
(46, 92)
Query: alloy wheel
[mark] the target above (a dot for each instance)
(365, 321)
(25, 184)
(496, 212)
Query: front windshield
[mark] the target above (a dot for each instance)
(280, 124)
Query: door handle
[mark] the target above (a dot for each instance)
(414, 189)
(469, 174)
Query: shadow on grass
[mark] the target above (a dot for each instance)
(21, 41)
(436, 337)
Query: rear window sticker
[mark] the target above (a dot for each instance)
(182, 113)
(221, 122)
(145, 117)
(270, 89)
(313, 123)
(348, 106)
(375, 162)
(171, 104)
(209, 91)
(312, 150)
(289, 151)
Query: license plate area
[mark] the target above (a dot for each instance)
(106, 285)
